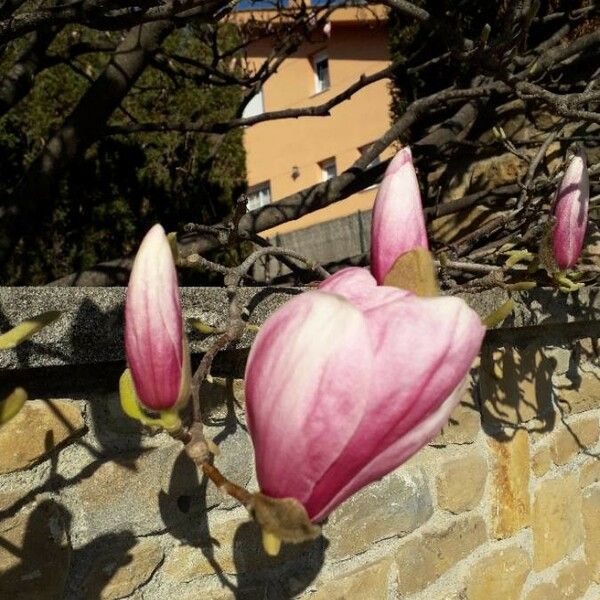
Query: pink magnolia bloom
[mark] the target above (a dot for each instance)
(327, 29)
(155, 343)
(398, 224)
(346, 383)
(571, 212)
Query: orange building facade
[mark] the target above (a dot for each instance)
(286, 156)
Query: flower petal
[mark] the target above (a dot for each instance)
(359, 287)
(307, 381)
(400, 451)
(423, 349)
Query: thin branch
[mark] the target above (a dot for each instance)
(289, 113)
(89, 13)
(559, 104)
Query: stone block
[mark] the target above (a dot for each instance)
(590, 472)
(500, 575)
(123, 495)
(461, 481)
(515, 385)
(464, 423)
(544, 591)
(579, 436)
(111, 578)
(573, 580)
(584, 396)
(430, 553)
(34, 550)
(541, 460)
(371, 581)
(556, 521)
(38, 430)
(510, 503)
(393, 506)
(186, 563)
(591, 523)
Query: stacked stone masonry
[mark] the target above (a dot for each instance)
(504, 504)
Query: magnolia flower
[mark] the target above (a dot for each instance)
(327, 29)
(398, 224)
(571, 212)
(345, 383)
(155, 343)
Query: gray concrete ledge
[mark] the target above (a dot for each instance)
(90, 330)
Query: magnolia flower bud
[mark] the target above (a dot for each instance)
(346, 383)
(155, 343)
(398, 224)
(571, 213)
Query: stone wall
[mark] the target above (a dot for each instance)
(504, 504)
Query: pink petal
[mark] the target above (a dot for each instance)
(398, 224)
(307, 381)
(153, 323)
(423, 349)
(399, 451)
(571, 212)
(359, 287)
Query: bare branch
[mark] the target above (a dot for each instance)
(290, 113)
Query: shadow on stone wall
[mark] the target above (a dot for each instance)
(58, 546)
(515, 390)
(185, 509)
(533, 388)
(41, 558)
(281, 577)
(522, 386)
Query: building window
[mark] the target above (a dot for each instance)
(259, 195)
(321, 69)
(256, 106)
(328, 169)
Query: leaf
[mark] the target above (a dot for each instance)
(130, 404)
(23, 331)
(202, 327)
(502, 312)
(414, 271)
(12, 404)
(129, 400)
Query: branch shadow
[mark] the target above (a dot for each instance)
(515, 390)
(521, 383)
(39, 553)
(186, 512)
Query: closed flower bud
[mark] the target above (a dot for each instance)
(571, 213)
(155, 343)
(398, 224)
